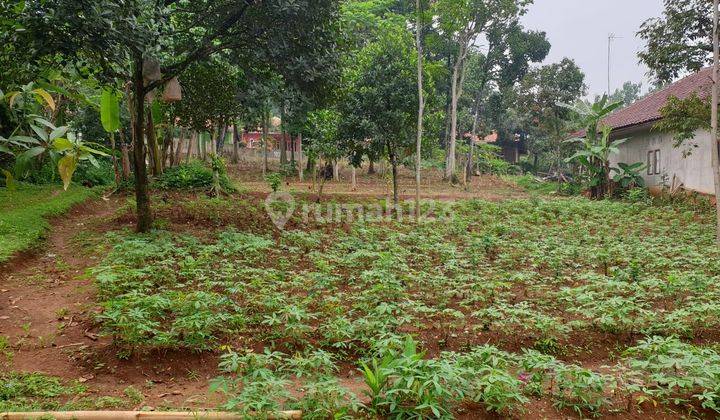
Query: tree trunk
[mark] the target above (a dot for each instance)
(124, 156)
(178, 149)
(142, 196)
(371, 167)
(292, 149)
(715, 149)
(353, 185)
(114, 159)
(300, 157)
(393, 164)
(455, 96)
(336, 170)
(283, 142)
(236, 144)
(168, 144)
(220, 143)
(125, 161)
(192, 141)
(421, 108)
(469, 164)
(265, 142)
(153, 145)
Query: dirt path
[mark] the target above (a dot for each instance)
(46, 307)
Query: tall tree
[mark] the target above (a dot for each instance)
(384, 78)
(463, 22)
(679, 41)
(539, 95)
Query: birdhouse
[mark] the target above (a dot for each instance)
(172, 91)
(151, 70)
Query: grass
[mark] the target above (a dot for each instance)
(24, 213)
(533, 184)
(499, 303)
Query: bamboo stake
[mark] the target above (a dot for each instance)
(132, 415)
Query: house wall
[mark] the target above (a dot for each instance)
(693, 171)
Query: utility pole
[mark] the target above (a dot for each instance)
(714, 146)
(611, 37)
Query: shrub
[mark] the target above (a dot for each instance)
(274, 181)
(192, 176)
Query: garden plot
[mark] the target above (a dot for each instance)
(592, 307)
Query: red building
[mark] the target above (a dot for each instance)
(253, 140)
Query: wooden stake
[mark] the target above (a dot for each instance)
(715, 147)
(132, 415)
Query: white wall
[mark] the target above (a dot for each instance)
(693, 171)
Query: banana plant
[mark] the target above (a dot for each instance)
(596, 147)
(628, 175)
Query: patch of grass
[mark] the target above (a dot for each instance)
(532, 184)
(24, 213)
(33, 391)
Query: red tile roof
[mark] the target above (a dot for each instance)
(648, 109)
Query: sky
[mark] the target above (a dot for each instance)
(579, 29)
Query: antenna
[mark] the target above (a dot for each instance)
(611, 37)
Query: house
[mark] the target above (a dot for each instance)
(253, 140)
(688, 166)
(510, 149)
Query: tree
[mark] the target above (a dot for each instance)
(493, 73)
(384, 78)
(679, 41)
(462, 22)
(539, 94)
(627, 94)
(324, 147)
(148, 43)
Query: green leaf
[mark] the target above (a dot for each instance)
(35, 151)
(109, 111)
(157, 112)
(58, 132)
(39, 131)
(62, 144)
(5, 149)
(92, 151)
(66, 168)
(24, 139)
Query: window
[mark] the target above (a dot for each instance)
(653, 162)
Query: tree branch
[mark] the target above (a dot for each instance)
(204, 49)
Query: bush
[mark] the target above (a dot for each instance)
(274, 181)
(192, 176)
(90, 175)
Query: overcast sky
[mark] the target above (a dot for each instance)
(579, 29)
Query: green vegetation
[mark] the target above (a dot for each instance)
(33, 391)
(192, 176)
(558, 278)
(24, 212)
